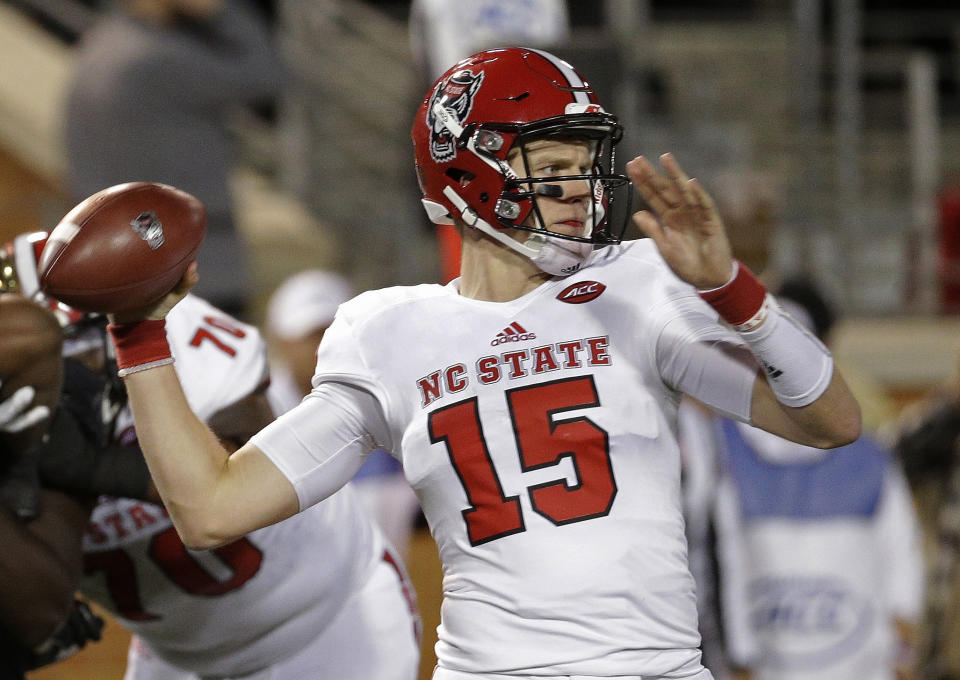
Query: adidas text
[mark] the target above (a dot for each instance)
(500, 339)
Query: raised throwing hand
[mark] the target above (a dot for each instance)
(686, 226)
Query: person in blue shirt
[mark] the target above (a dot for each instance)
(819, 564)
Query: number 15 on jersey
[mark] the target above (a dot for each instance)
(543, 439)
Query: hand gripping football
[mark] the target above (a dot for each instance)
(123, 248)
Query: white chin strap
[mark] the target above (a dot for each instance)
(558, 256)
(555, 256)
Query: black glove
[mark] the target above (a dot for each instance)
(72, 462)
(78, 456)
(20, 484)
(13, 658)
(80, 627)
(86, 395)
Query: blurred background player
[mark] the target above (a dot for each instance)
(298, 313)
(819, 568)
(322, 596)
(152, 89)
(927, 439)
(40, 529)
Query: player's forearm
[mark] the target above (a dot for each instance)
(40, 566)
(187, 462)
(832, 420)
(799, 395)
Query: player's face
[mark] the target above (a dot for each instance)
(568, 214)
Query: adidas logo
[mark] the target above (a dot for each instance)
(772, 371)
(512, 333)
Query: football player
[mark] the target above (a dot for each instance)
(298, 313)
(532, 401)
(817, 565)
(40, 529)
(320, 596)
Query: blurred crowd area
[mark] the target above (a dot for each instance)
(829, 129)
(829, 132)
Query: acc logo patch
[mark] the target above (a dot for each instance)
(455, 99)
(584, 291)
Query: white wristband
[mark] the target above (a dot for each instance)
(798, 366)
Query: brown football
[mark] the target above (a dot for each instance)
(123, 248)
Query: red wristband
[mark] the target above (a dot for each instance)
(140, 345)
(738, 300)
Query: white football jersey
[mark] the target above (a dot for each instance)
(237, 608)
(539, 435)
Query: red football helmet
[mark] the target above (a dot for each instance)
(494, 101)
(19, 261)
(84, 334)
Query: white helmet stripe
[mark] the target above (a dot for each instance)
(26, 263)
(572, 77)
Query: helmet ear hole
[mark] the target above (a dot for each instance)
(461, 177)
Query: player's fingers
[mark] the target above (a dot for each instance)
(652, 186)
(16, 402)
(28, 419)
(189, 279)
(160, 309)
(704, 201)
(681, 182)
(14, 406)
(672, 168)
(649, 225)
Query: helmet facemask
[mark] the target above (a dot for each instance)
(611, 194)
(528, 183)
